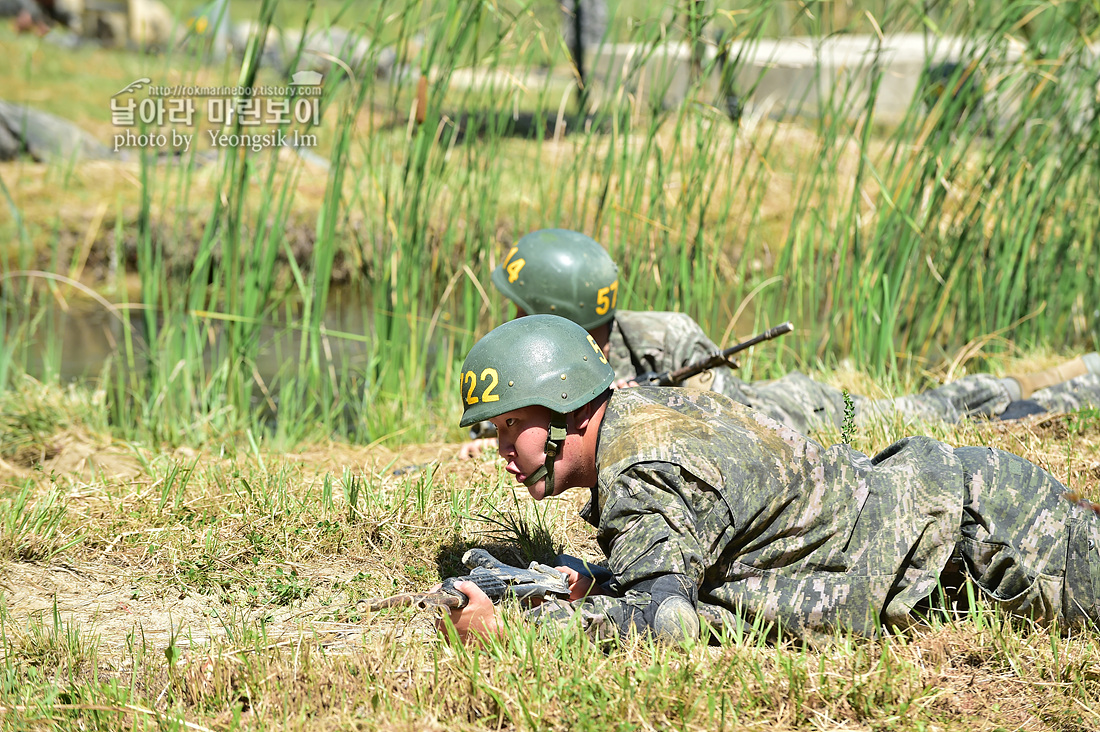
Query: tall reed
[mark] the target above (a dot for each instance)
(963, 223)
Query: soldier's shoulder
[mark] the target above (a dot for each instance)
(655, 324)
(672, 407)
(662, 424)
(654, 316)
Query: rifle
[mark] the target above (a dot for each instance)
(718, 358)
(495, 578)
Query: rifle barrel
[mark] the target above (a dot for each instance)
(781, 329)
(722, 357)
(493, 577)
(422, 601)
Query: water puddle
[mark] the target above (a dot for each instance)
(76, 339)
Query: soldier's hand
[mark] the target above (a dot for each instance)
(580, 586)
(475, 448)
(624, 383)
(475, 622)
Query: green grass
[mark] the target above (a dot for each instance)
(952, 235)
(211, 591)
(187, 538)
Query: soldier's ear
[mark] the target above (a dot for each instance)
(582, 417)
(586, 416)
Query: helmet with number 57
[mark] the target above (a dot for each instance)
(538, 360)
(560, 272)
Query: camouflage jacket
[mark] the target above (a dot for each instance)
(765, 521)
(768, 525)
(662, 341)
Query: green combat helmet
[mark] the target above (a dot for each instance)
(539, 360)
(560, 272)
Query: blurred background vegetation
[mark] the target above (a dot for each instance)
(269, 295)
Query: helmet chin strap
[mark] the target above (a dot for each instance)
(555, 438)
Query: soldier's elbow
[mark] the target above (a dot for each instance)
(669, 615)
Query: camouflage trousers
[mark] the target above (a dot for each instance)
(804, 404)
(1030, 551)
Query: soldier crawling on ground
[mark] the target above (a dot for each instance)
(710, 511)
(565, 273)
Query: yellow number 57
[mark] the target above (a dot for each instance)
(602, 301)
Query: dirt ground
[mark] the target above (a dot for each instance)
(119, 596)
(117, 599)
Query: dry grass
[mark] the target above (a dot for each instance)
(82, 213)
(219, 587)
(216, 586)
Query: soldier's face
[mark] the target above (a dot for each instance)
(521, 441)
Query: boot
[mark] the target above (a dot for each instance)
(1022, 387)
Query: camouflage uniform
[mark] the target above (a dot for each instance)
(751, 520)
(662, 341)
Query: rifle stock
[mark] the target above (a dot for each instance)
(495, 578)
(718, 358)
